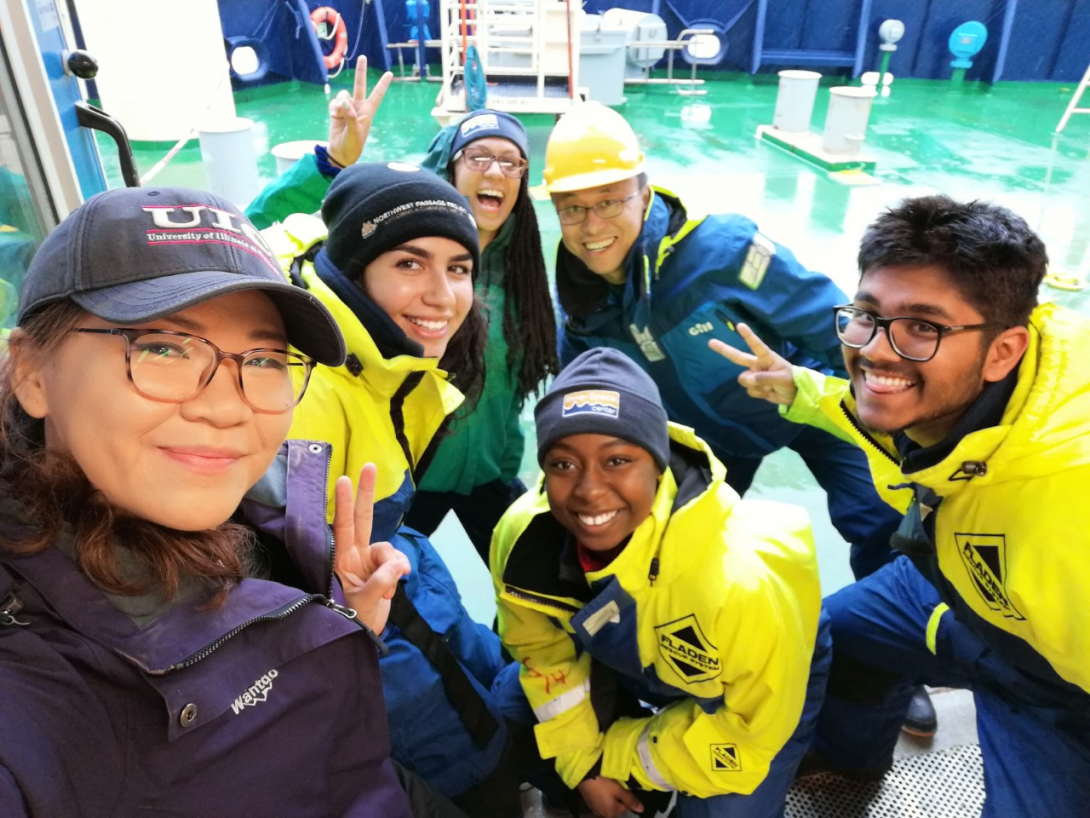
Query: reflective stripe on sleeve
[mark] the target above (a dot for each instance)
(562, 703)
(933, 624)
(643, 750)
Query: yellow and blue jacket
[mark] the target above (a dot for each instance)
(711, 610)
(1011, 545)
(371, 409)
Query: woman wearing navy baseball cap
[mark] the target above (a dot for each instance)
(177, 634)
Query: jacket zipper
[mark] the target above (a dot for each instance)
(330, 602)
(540, 600)
(8, 610)
(866, 435)
(283, 613)
(329, 528)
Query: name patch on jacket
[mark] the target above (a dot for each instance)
(595, 401)
(985, 558)
(687, 650)
(759, 257)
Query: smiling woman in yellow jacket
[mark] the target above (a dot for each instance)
(396, 271)
(637, 568)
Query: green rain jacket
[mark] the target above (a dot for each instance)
(485, 441)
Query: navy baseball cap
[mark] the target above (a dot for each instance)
(136, 254)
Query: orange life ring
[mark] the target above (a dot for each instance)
(332, 17)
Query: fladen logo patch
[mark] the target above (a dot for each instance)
(985, 558)
(726, 758)
(687, 650)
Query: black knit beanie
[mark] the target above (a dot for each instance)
(604, 392)
(373, 208)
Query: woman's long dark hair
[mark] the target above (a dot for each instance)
(49, 490)
(464, 357)
(529, 322)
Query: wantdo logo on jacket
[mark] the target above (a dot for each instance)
(596, 401)
(255, 693)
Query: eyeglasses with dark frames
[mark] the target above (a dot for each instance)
(914, 339)
(172, 367)
(480, 160)
(608, 209)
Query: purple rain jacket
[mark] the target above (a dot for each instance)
(268, 706)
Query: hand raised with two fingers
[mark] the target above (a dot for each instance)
(369, 572)
(351, 115)
(767, 376)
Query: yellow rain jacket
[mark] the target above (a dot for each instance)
(371, 409)
(712, 607)
(1012, 531)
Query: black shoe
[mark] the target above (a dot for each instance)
(921, 720)
(814, 763)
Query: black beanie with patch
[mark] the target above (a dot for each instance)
(604, 392)
(373, 208)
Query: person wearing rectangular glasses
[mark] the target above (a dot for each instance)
(475, 472)
(639, 271)
(178, 633)
(972, 405)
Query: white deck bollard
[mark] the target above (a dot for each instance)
(228, 154)
(795, 101)
(846, 121)
(287, 154)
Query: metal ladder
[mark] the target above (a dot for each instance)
(1072, 107)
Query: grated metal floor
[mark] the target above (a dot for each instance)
(946, 784)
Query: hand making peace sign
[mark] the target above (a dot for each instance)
(350, 117)
(767, 376)
(369, 572)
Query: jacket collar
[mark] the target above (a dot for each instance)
(181, 636)
(493, 266)
(692, 498)
(666, 222)
(365, 360)
(984, 412)
(1044, 425)
(288, 503)
(390, 339)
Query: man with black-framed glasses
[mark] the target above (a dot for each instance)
(973, 406)
(640, 272)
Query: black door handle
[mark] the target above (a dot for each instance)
(95, 118)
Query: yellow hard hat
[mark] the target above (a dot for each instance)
(591, 146)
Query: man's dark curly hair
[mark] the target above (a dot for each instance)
(990, 254)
